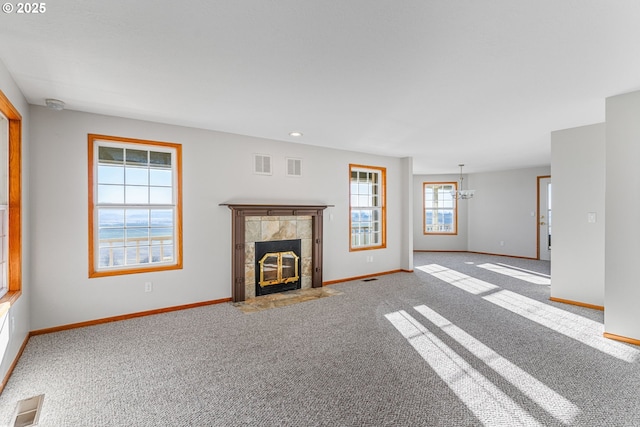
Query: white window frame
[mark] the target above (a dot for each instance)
(370, 234)
(447, 202)
(127, 254)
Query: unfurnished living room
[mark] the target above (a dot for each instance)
(319, 213)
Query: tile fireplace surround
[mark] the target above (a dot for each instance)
(250, 222)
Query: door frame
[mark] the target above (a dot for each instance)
(539, 178)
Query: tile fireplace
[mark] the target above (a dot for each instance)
(254, 225)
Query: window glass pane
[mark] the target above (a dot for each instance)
(111, 256)
(110, 194)
(110, 218)
(137, 236)
(160, 159)
(137, 218)
(111, 237)
(137, 157)
(110, 155)
(161, 177)
(137, 255)
(160, 195)
(161, 218)
(162, 235)
(137, 195)
(161, 253)
(363, 201)
(137, 176)
(110, 174)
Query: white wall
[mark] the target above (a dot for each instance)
(437, 242)
(407, 222)
(504, 209)
(17, 325)
(217, 169)
(622, 240)
(500, 211)
(578, 170)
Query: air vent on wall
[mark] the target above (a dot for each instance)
(262, 164)
(294, 167)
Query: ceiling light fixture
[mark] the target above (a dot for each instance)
(461, 193)
(295, 134)
(54, 104)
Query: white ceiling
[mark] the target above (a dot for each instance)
(479, 82)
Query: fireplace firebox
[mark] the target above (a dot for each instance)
(278, 266)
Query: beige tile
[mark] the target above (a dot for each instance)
(250, 253)
(270, 230)
(305, 230)
(306, 282)
(307, 266)
(252, 231)
(306, 248)
(288, 230)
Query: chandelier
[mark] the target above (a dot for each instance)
(461, 193)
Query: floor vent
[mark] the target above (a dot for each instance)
(28, 412)
(370, 280)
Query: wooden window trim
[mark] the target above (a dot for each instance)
(424, 209)
(93, 271)
(383, 210)
(14, 257)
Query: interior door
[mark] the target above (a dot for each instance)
(544, 218)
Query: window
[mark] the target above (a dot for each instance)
(440, 208)
(367, 206)
(10, 201)
(4, 203)
(135, 206)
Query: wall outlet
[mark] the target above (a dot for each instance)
(370, 258)
(148, 286)
(501, 242)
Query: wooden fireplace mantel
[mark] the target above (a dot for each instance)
(242, 210)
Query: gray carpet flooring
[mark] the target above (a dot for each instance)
(496, 352)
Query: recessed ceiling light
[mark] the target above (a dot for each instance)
(295, 133)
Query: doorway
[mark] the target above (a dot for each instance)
(544, 218)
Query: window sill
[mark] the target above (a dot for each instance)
(8, 300)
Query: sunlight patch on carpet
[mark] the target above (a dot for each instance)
(488, 403)
(516, 274)
(585, 330)
(457, 279)
(553, 403)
